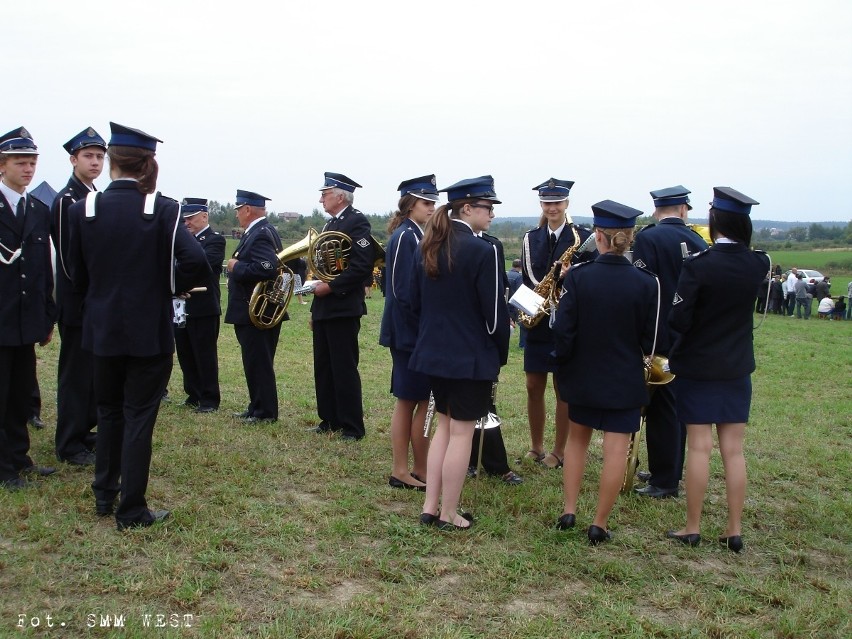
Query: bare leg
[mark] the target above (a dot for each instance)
(579, 437)
(561, 438)
(434, 463)
(419, 443)
(454, 470)
(731, 438)
(699, 441)
(536, 385)
(612, 475)
(401, 432)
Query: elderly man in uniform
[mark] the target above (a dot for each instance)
(76, 409)
(27, 310)
(336, 316)
(195, 342)
(657, 248)
(255, 260)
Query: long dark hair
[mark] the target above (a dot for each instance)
(734, 226)
(139, 163)
(406, 203)
(439, 235)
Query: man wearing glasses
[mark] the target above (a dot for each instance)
(336, 316)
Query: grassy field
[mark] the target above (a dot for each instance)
(278, 532)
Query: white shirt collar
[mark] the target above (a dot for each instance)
(558, 231)
(11, 196)
(254, 223)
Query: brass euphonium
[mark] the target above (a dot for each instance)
(329, 254)
(270, 298)
(657, 373)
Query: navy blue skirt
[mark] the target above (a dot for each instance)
(405, 383)
(537, 357)
(724, 401)
(462, 399)
(607, 420)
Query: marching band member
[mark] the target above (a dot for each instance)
(27, 310)
(463, 336)
(76, 408)
(541, 248)
(605, 322)
(713, 358)
(129, 255)
(658, 248)
(254, 260)
(399, 331)
(195, 342)
(336, 316)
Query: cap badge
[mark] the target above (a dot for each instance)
(91, 132)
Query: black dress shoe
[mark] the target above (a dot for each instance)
(690, 539)
(104, 508)
(656, 493)
(393, 482)
(598, 535)
(322, 427)
(252, 419)
(643, 475)
(15, 484)
(205, 409)
(242, 415)
(428, 519)
(734, 543)
(153, 517)
(41, 471)
(35, 422)
(512, 478)
(346, 437)
(83, 458)
(566, 521)
(190, 402)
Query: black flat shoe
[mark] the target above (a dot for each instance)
(393, 482)
(448, 525)
(153, 517)
(428, 520)
(566, 521)
(598, 535)
(690, 539)
(656, 493)
(734, 543)
(104, 508)
(418, 477)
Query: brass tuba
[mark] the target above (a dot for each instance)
(657, 373)
(270, 298)
(547, 288)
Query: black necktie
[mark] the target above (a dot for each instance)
(22, 208)
(552, 242)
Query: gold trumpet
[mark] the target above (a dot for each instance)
(657, 373)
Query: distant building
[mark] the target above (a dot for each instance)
(287, 215)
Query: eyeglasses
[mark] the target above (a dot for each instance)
(490, 207)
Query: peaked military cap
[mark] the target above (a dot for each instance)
(553, 190)
(339, 181)
(125, 136)
(727, 199)
(612, 215)
(422, 187)
(248, 198)
(190, 206)
(481, 188)
(18, 142)
(672, 196)
(86, 137)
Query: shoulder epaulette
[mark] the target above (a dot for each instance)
(645, 270)
(646, 227)
(697, 255)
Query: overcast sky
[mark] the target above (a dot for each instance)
(622, 97)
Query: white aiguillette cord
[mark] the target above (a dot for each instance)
(13, 255)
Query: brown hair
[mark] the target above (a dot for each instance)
(617, 240)
(734, 226)
(439, 235)
(139, 163)
(406, 203)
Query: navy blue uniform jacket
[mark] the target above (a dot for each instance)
(128, 266)
(68, 301)
(713, 311)
(657, 248)
(257, 260)
(463, 328)
(347, 289)
(537, 260)
(208, 303)
(399, 325)
(27, 310)
(604, 327)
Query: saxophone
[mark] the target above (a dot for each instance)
(547, 288)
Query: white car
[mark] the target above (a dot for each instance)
(810, 276)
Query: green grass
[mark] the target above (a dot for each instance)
(836, 263)
(278, 532)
